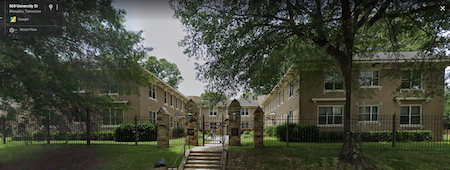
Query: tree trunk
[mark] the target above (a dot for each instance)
(351, 148)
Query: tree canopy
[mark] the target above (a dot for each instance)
(165, 70)
(63, 73)
(246, 43)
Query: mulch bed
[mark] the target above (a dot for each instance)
(66, 158)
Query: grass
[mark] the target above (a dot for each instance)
(324, 158)
(108, 156)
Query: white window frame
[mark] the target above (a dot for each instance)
(282, 96)
(409, 115)
(410, 80)
(362, 113)
(212, 125)
(245, 125)
(165, 97)
(171, 100)
(291, 89)
(182, 103)
(291, 116)
(110, 117)
(213, 112)
(245, 111)
(176, 103)
(333, 115)
(153, 117)
(370, 79)
(152, 92)
(334, 80)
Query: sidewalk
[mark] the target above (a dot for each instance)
(218, 141)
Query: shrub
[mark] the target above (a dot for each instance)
(179, 132)
(331, 136)
(298, 132)
(40, 135)
(247, 134)
(269, 131)
(380, 136)
(126, 132)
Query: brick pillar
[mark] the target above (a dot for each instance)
(163, 128)
(258, 130)
(191, 128)
(234, 130)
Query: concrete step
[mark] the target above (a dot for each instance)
(207, 151)
(206, 154)
(217, 162)
(203, 158)
(201, 166)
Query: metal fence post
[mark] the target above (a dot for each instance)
(88, 127)
(394, 131)
(203, 130)
(287, 131)
(4, 131)
(47, 128)
(136, 130)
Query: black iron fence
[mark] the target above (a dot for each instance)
(375, 131)
(132, 130)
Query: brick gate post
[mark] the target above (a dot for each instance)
(163, 128)
(258, 129)
(235, 123)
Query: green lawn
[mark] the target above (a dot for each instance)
(324, 158)
(96, 156)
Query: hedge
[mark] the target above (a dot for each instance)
(126, 132)
(269, 131)
(311, 133)
(42, 136)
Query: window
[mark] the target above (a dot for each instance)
(369, 78)
(213, 111)
(182, 103)
(279, 99)
(171, 121)
(112, 116)
(165, 97)
(244, 111)
(176, 103)
(410, 115)
(245, 125)
(212, 125)
(109, 86)
(282, 96)
(291, 116)
(153, 117)
(330, 115)
(411, 79)
(291, 89)
(333, 81)
(171, 100)
(152, 92)
(368, 113)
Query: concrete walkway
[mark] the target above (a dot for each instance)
(218, 141)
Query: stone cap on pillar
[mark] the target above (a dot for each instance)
(258, 111)
(191, 107)
(163, 110)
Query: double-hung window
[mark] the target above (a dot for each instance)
(245, 125)
(411, 79)
(212, 125)
(112, 116)
(333, 81)
(244, 111)
(212, 111)
(171, 100)
(176, 103)
(410, 115)
(110, 86)
(368, 113)
(152, 92)
(369, 78)
(153, 117)
(330, 115)
(291, 116)
(291, 89)
(165, 97)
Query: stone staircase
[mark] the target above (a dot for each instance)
(205, 157)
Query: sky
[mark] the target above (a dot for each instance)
(162, 32)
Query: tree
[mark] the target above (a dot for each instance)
(49, 75)
(247, 94)
(212, 98)
(165, 70)
(238, 38)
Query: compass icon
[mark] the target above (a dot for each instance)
(12, 30)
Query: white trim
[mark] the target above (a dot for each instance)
(371, 113)
(371, 77)
(370, 87)
(314, 100)
(121, 101)
(330, 125)
(109, 94)
(399, 99)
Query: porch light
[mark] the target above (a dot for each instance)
(190, 115)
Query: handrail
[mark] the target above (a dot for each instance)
(188, 137)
